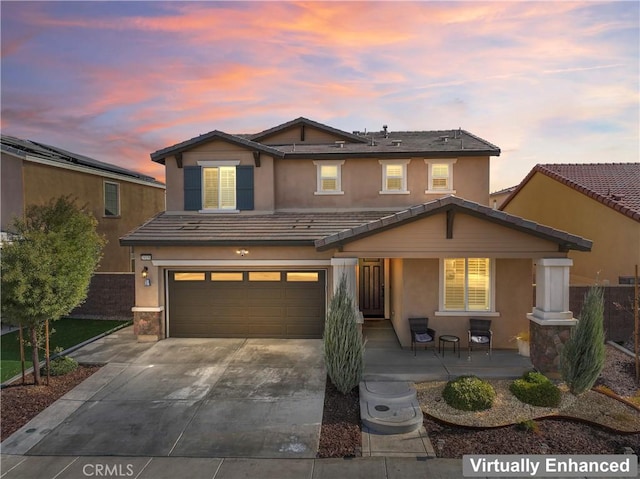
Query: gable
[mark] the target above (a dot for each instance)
(302, 134)
(427, 237)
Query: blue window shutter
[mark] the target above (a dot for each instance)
(244, 187)
(192, 188)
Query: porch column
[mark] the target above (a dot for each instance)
(348, 267)
(550, 321)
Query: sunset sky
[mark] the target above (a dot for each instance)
(548, 82)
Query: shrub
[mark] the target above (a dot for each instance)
(529, 426)
(536, 389)
(61, 366)
(582, 357)
(469, 393)
(343, 345)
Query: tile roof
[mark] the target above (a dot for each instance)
(616, 185)
(222, 229)
(322, 230)
(387, 144)
(565, 240)
(24, 148)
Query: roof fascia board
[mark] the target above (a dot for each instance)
(160, 155)
(92, 171)
(306, 122)
(398, 220)
(124, 241)
(386, 154)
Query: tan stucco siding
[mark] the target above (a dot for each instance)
(12, 189)
(427, 238)
(221, 151)
(415, 286)
(296, 184)
(137, 204)
(616, 237)
(294, 135)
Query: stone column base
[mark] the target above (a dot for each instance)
(546, 344)
(148, 324)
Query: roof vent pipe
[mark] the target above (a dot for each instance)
(386, 133)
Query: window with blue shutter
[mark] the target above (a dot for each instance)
(218, 188)
(192, 188)
(244, 187)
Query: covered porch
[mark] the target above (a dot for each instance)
(386, 360)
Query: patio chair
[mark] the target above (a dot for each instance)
(480, 334)
(421, 333)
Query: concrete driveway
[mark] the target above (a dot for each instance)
(199, 398)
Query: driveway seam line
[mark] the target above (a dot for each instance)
(66, 467)
(215, 474)
(143, 468)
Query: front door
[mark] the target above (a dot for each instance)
(372, 287)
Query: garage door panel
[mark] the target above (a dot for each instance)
(275, 309)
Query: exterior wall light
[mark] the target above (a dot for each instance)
(242, 251)
(145, 276)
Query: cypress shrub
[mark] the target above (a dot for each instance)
(536, 389)
(582, 357)
(343, 345)
(469, 393)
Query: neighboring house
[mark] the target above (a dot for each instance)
(120, 199)
(598, 201)
(260, 228)
(498, 197)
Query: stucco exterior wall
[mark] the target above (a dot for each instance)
(427, 238)
(220, 150)
(616, 238)
(12, 189)
(296, 184)
(415, 285)
(137, 204)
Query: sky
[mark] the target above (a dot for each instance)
(547, 82)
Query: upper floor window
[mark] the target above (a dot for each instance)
(467, 285)
(218, 186)
(329, 177)
(394, 176)
(111, 199)
(440, 175)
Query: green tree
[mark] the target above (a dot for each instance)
(343, 345)
(47, 266)
(582, 357)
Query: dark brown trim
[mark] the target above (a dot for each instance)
(179, 159)
(451, 213)
(256, 158)
(194, 242)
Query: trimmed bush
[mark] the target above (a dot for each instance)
(343, 345)
(62, 366)
(469, 393)
(582, 357)
(536, 389)
(528, 426)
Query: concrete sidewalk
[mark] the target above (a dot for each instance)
(67, 467)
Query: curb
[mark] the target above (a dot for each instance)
(67, 351)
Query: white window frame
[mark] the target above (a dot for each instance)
(319, 164)
(218, 164)
(403, 164)
(491, 312)
(104, 199)
(439, 161)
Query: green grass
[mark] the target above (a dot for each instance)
(68, 332)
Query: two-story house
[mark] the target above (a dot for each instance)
(34, 173)
(260, 228)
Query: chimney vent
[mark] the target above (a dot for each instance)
(386, 133)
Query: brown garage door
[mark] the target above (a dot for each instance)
(229, 304)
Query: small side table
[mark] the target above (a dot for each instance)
(448, 338)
